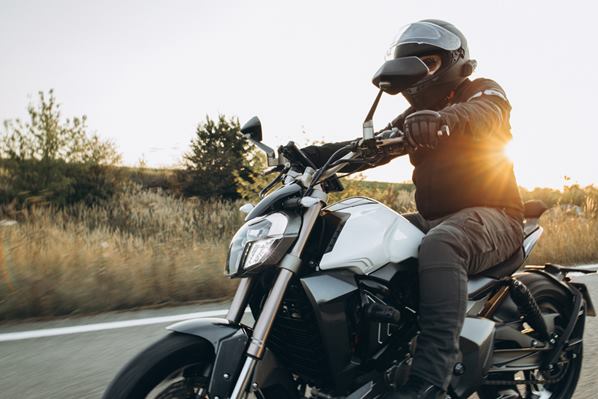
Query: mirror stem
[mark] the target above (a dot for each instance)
(368, 124)
(269, 151)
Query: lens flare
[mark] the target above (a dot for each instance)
(508, 151)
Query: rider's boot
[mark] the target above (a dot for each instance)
(417, 388)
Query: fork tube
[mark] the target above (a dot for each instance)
(264, 323)
(237, 307)
(244, 377)
(309, 219)
(262, 328)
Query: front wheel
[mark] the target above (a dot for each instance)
(177, 366)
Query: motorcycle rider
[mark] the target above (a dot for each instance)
(467, 198)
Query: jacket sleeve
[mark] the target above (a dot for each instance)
(485, 113)
(320, 154)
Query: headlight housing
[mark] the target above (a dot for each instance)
(261, 241)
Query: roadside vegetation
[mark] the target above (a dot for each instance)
(81, 234)
(142, 248)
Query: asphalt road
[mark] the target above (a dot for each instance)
(81, 365)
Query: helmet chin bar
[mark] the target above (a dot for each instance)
(430, 92)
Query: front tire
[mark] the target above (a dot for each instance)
(177, 366)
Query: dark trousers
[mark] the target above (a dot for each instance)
(455, 246)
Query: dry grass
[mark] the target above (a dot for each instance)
(569, 238)
(150, 248)
(146, 249)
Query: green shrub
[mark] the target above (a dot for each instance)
(51, 160)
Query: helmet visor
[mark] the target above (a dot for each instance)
(423, 33)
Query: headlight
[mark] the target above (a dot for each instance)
(261, 241)
(258, 251)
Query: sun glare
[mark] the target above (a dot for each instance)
(508, 150)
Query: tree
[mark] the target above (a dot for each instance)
(49, 159)
(218, 154)
(249, 186)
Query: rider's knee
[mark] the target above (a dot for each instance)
(441, 247)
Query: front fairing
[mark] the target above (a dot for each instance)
(274, 200)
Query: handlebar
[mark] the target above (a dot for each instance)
(359, 151)
(378, 146)
(332, 170)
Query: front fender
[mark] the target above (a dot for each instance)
(212, 329)
(229, 341)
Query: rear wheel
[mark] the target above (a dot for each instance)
(175, 367)
(561, 381)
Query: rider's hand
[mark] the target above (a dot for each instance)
(423, 128)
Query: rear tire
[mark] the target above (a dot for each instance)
(551, 298)
(179, 362)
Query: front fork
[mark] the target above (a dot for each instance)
(288, 267)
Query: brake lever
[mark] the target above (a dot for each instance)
(266, 189)
(349, 162)
(392, 141)
(272, 169)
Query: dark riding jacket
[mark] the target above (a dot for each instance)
(469, 168)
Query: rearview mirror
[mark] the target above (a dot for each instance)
(253, 129)
(399, 74)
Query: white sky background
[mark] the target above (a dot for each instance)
(146, 72)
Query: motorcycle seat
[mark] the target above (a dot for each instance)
(506, 267)
(479, 284)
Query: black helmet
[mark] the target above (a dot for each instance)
(432, 36)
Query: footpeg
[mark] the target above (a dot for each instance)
(382, 313)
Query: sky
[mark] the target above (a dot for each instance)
(147, 72)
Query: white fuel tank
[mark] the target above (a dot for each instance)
(372, 236)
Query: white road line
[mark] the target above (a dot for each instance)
(52, 332)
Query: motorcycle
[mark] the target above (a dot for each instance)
(333, 292)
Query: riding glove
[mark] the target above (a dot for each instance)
(423, 128)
